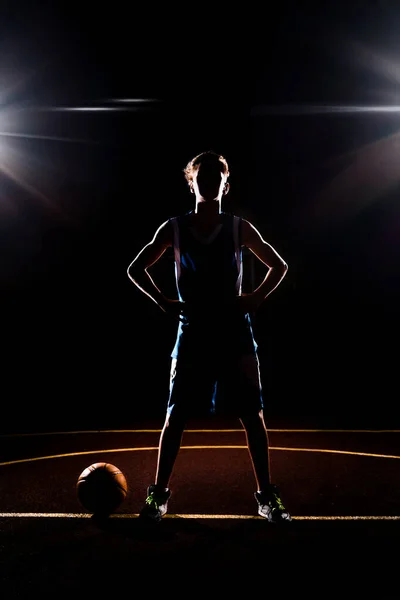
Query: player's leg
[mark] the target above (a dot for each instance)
(258, 446)
(188, 393)
(169, 445)
(248, 402)
(268, 495)
(158, 494)
(245, 393)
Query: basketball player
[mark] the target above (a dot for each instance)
(215, 366)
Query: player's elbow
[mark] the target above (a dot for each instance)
(136, 271)
(281, 267)
(131, 272)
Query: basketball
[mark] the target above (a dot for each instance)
(101, 488)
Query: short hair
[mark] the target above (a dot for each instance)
(210, 159)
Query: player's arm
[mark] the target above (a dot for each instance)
(138, 269)
(277, 266)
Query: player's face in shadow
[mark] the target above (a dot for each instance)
(209, 182)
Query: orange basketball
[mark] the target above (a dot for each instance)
(101, 488)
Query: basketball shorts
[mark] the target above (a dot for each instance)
(211, 385)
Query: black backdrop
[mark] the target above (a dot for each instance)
(81, 346)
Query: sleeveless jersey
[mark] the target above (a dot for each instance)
(208, 273)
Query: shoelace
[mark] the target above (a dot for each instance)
(152, 502)
(276, 503)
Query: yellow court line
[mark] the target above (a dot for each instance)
(137, 449)
(30, 515)
(92, 431)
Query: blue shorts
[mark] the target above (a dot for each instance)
(214, 385)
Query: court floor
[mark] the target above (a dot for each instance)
(340, 485)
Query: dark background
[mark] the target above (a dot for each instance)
(82, 191)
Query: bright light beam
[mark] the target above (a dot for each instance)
(30, 136)
(135, 100)
(319, 109)
(131, 104)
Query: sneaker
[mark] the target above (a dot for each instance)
(156, 503)
(270, 505)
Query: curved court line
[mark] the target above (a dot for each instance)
(92, 431)
(198, 516)
(114, 450)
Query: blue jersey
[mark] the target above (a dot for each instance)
(208, 272)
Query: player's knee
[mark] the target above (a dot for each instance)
(175, 419)
(253, 420)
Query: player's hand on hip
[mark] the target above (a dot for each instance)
(173, 308)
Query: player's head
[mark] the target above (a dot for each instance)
(207, 175)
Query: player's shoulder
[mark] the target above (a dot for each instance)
(230, 216)
(180, 219)
(248, 230)
(164, 232)
(166, 229)
(170, 221)
(234, 217)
